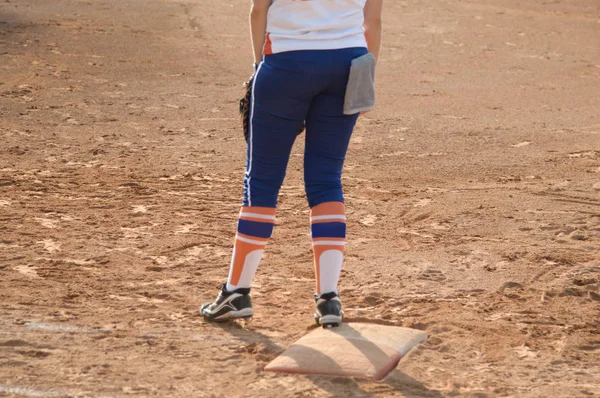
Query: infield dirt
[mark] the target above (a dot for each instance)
(473, 200)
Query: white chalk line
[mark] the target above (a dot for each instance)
(161, 334)
(31, 392)
(63, 328)
(28, 392)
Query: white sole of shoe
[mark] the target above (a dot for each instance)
(243, 313)
(330, 320)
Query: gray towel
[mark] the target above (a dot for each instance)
(360, 92)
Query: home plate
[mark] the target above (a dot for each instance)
(354, 350)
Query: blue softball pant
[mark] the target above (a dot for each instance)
(290, 88)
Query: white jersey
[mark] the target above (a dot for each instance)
(314, 25)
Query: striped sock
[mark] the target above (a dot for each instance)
(255, 227)
(328, 230)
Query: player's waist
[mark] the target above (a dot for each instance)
(277, 43)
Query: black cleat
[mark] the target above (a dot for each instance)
(329, 310)
(228, 305)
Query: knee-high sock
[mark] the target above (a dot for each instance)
(328, 231)
(255, 227)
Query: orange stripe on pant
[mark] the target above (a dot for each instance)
(241, 252)
(254, 229)
(328, 209)
(317, 240)
(328, 244)
(267, 211)
(319, 251)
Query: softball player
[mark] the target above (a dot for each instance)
(303, 51)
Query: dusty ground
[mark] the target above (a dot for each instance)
(473, 196)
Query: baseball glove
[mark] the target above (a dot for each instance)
(245, 108)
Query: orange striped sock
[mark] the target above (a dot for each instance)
(255, 227)
(328, 231)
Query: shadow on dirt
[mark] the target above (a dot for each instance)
(10, 23)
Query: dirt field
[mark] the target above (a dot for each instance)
(473, 198)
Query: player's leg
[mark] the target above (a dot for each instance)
(276, 116)
(327, 139)
(326, 144)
